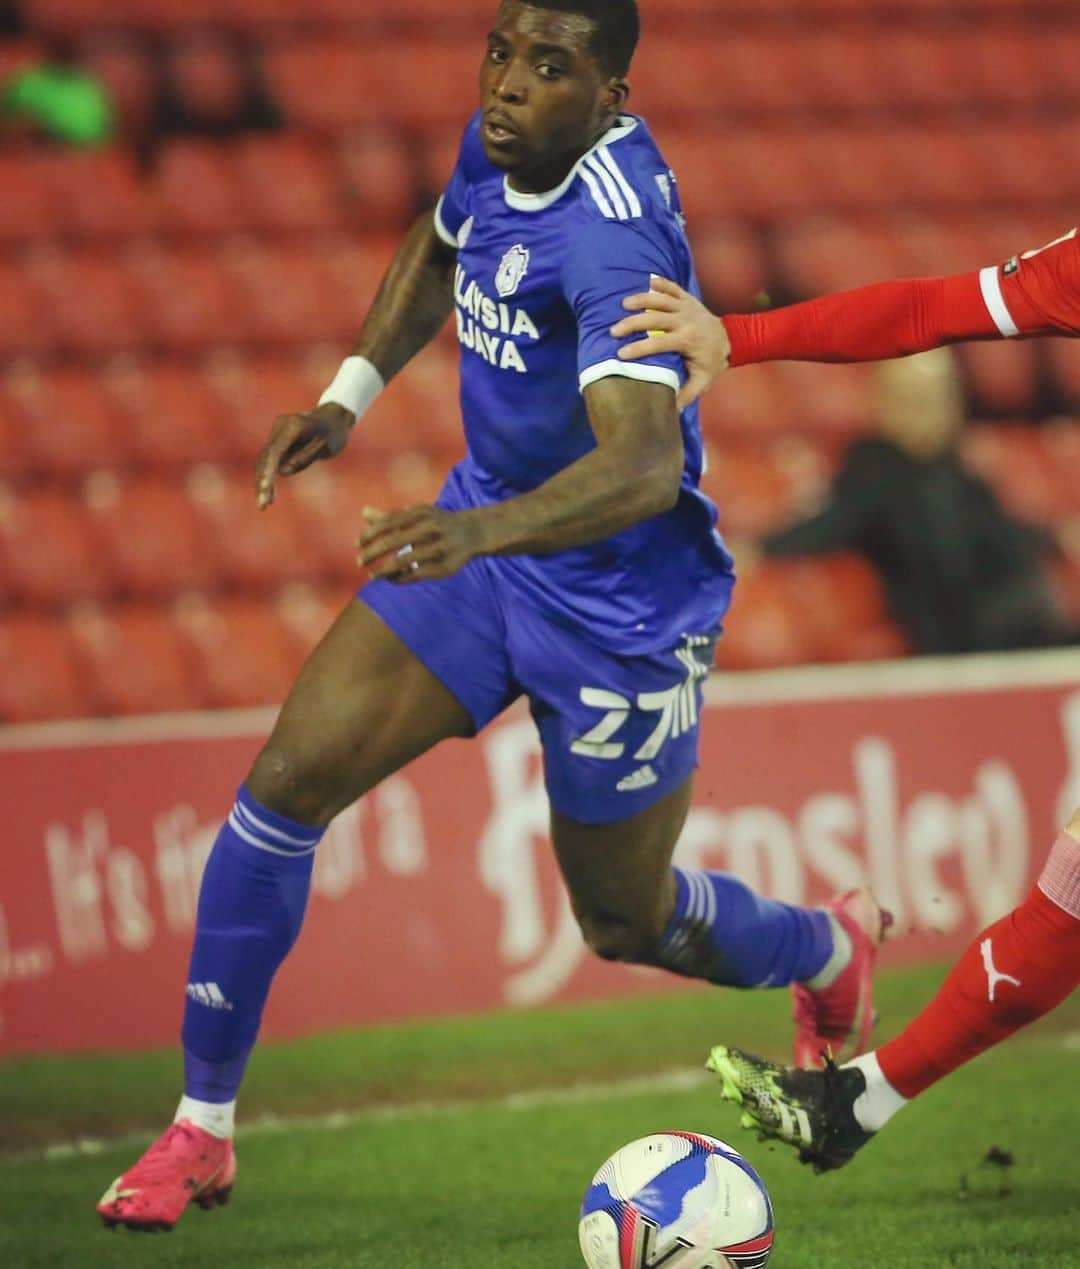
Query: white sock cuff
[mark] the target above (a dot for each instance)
(876, 1106)
(1060, 878)
(355, 386)
(216, 1118)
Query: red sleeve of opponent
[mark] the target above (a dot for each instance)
(1035, 294)
(873, 323)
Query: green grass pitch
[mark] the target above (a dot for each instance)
(470, 1142)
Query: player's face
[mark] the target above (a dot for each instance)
(544, 98)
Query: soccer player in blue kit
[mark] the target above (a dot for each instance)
(570, 559)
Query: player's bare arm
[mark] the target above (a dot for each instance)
(633, 474)
(410, 308)
(674, 321)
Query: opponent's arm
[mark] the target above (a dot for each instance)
(1035, 294)
(409, 309)
(633, 474)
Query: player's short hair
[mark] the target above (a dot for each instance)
(617, 28)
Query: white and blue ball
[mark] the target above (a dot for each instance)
(680, 1200)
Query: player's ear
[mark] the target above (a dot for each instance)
(617, 92)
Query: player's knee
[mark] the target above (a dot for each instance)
(619, 940)
(285, 785)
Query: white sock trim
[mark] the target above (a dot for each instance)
(837, 962)
(876, 1106)
(355, 386)
(216, 1118)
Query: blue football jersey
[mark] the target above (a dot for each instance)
(539, 282)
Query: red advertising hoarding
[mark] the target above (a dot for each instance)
(941, 783)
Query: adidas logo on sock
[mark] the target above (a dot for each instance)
(639, 779)
(208, 994)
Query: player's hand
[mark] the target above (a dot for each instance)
(296, 441)
(417, 544)
(674, 321)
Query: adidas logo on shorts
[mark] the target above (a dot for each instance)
(642, 778)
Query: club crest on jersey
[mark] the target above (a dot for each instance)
(513, 267)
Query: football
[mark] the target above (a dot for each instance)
(677, 1199)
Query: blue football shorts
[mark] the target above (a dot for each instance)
(618, 732)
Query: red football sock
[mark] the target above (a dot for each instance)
(1015, 971)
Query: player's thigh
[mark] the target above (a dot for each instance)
(362, 707)
(619, 874)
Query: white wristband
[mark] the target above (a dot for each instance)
(355, 386)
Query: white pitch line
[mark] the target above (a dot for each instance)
(266, 1125)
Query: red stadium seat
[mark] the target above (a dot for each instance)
(240, 652)
(106, 317)
(39, 675)
(753, 401)
(442, 80)
(1013, 460)
(198, 189)
(1061, 445)
(15, 461)
(731, 265)
(68, 424)
(167, 416)
(329, 500)
(289, 184)
(46, 555)
(249, 393)
(1003, 377)
(29, 207)
(24, 313)
(147, 535)
(251, 549)
(754, 495)
(827, 400)
(186, 299)
(764, 627)
(133, 660)
(306, 613)
(378, 177)
(102, 195)
(325, 86)
(1063, 356)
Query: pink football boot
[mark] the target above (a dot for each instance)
(837, 1019)
(183, 1165)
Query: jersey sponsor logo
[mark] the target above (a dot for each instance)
(511, 270)
(490, 328)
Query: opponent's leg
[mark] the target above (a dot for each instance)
(362, 707)
(1013, 972)
(633, 906)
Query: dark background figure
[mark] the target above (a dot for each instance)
(212, 86)
(961, 573)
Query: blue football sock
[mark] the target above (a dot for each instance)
(251, 905)
(723, 932)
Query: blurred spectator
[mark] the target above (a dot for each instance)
(961, 574)
(211, 86)
(59, 100)
(12, 21)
